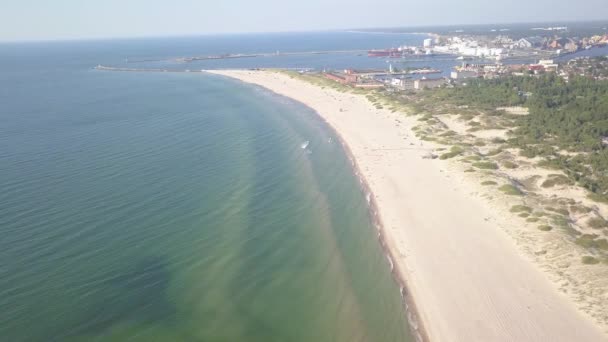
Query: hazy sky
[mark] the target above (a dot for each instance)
(69, 19)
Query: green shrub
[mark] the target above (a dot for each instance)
(561, 211)
(601, 244)
(494, 152)
(454, 151)
(510, 190)
(580, 209)
(473, 158)
(489, 183)
(597, 223)
(528, 153)
(560, 221)
(554, 180)
(545, 228)
(548, 164)
(509, 164)
(597, 197)
(589, 260)
(586, 240)
(532, 219)
(448, 155)
(486, 165)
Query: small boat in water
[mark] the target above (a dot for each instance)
(305, 144)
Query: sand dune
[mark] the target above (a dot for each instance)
(469, 280)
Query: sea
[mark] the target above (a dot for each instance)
(184, 206)
(174, 206)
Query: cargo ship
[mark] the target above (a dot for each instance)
(391, 53)
(401, 52)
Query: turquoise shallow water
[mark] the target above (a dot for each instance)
(178, 207)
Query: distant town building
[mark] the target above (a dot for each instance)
(530, 42)
(571, 46)
(548, 64)
(536, 68)
(403, 83)
(523, 44)
(463, 74)
(349, 77)
(557, 44)
(428, 83)
(343, 78)
(428, 43)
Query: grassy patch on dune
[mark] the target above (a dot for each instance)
(509, 164)
(592, 241)
(520, 208)
(486, 165)
(448, 134)
(454, 151)
(494, 152)
(589, 260)
(562, 222)
(597, 223)
(473, 158)
(598, 198)
(580, 209)
(561, 211)
(510, 190)
(553, 180)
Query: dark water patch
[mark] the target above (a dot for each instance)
(138, 295)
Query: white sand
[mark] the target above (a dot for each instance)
(469, 280)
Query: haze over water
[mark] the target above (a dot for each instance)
(180, 207)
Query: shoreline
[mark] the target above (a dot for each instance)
(459, 286)
(415, 325)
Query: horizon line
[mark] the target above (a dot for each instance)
(351, 29)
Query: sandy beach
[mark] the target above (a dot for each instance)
(467, 276)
